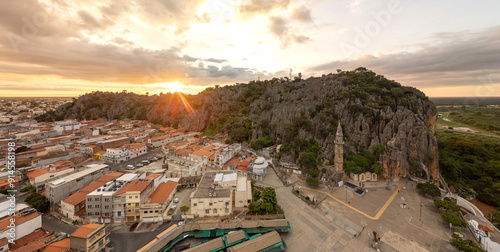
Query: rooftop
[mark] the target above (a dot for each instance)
(19, 219)
(205, 189)
(76, 198)
(84, 230)
(134, 186)
(162, 192)
(58, 246)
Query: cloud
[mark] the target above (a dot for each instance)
(279, 27)
(453, 59)
(262, 6)
(302, 14)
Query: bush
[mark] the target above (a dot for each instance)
(465, 245)
(312, 182)
(446, 205)
(179, 188)
(39, 202)
(429, 189)
(454, 219)
(28, 189)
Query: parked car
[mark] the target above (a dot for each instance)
(145, 162)
(134, 226)
(130, 167)
(140, 165)
(155, 159)
(176, 200)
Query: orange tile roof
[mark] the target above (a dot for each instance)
(5, 181)
(162, 192)
(4, 223)
(58, 246)
(32, 246)
(152, 176)
(37, 172)
(76, 198)
(84, 230)
(234, 162)
(184, 152)
(134, 186)
(202, 153)
(27, 239)
(244, 164)
(134, 146)
(110, 176)
(92, 186)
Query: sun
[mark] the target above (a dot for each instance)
(174, 87)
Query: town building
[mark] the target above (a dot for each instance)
(61, 188)
(210, 198)
(90, 237)
(153, 210)
(128, 199)
(26, 222)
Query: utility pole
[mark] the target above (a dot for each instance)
(420, 209)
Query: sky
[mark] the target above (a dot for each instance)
(56, 48)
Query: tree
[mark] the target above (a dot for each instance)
(312, 182)
(465, 245)
(184, 209)
(256, 194)
(179, 188)
(446, 205)
(429, 189)
(21, 149)
(454, 219)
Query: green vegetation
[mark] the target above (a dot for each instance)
(454, 219)
(465, 245)
(21, 149)
(179, 188)
(267, 204)
(184, 209)
(471, 164)
(312, 182)
(446, 205)
(429, 189)
(39, 202)
(358, 163)
(28, 189)
(478, 117)
(261, 142)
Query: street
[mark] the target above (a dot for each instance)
(134, 161)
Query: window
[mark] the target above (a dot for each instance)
(145, 211)
(106, 200)
(106, 207)
(151, 211)
(119, 213)
(90, 214)
(136, 204)
(89, 199)
(215, 210)
(96, 206)
(90, 206)
(96, 199)
(156, 211)
(210, 204)
(194, 204)
(97, 213)
(136, 197)
(207, 211)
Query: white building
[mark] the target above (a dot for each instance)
(68, 125)
(25, 224)
(259, 168)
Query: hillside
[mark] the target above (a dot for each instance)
(393, 122)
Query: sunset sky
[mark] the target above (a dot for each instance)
(68, 48)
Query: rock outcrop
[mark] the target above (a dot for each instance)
(372, 110)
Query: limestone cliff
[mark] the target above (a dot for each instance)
(371, 109)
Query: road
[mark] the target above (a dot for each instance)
(124, 242)
(49, 223)
(134, 161)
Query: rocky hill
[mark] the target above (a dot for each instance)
(394, 123)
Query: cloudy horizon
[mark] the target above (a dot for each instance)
(55, 48)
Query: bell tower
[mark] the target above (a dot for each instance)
(339, 149)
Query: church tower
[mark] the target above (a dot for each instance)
(339, 149)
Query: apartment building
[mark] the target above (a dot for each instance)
(127, 201)
(90, 237)
(61, 188)
(153, 210)
(210, 199)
